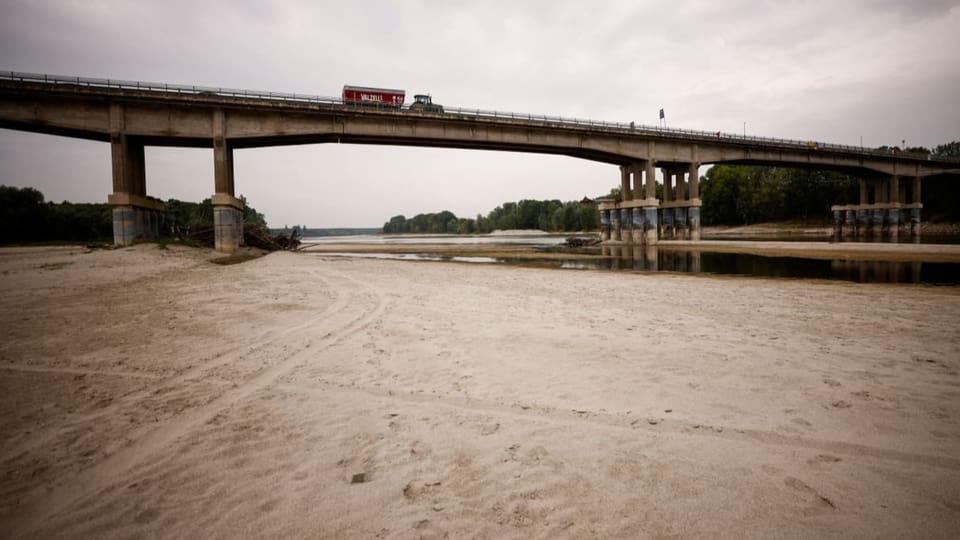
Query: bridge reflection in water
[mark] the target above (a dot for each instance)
(654, 259)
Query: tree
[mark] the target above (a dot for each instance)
(951, 149)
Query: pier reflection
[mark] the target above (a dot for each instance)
(652, 259)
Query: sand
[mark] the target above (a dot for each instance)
(150, 393)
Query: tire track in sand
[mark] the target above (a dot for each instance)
(686, 428)
(176, 385)
(92, 480)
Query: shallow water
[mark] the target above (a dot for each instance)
(652, 259)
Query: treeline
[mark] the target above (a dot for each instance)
(26, 217)
(741, 194)
(547, 215)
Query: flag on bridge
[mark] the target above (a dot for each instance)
(661, 114)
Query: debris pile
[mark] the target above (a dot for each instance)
(576, 241)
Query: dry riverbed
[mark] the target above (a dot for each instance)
(151, 393)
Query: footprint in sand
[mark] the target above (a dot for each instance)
(490, 429)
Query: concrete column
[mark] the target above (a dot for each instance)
(863, 221)
(637, 171)
(850, 223)
(227, 222)
(625, 192)
(893, 222)
(125, 230)
(626, 225)
(668, 227)
(650, 225)
(651, 173)
(638, 230)
(864, 194)
(227, 209)
(877, 221)
(694, 181)
(837, 223)
(915, 209)
(222, 156)
(605, 225)
(680, 222)
(667, 184)
(135, 217)
(680, 194)
(129, 172)
(615, 225)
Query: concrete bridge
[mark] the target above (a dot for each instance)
(132, 115)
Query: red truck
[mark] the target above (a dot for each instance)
(383, 97)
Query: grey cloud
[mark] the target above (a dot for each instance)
(831, 70)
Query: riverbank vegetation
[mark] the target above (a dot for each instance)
(26, 217)
(743, 195)
(547, 215)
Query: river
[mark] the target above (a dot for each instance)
(546, 250)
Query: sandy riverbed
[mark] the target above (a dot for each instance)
(150, 393)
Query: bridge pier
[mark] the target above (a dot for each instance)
(850, 222)
(915, 207)
(135, 215)
(227, 209)
(887, 214)
(615, 225)
(604, 223)
(681, 202)
(633, 218)
(227, 222)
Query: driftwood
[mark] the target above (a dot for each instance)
(273, 242)
(252, 238)
(576, 242)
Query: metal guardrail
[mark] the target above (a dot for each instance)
(628, 127)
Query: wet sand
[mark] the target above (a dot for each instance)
(150, 393)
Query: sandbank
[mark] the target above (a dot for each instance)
(150, 393)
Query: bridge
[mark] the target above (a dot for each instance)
(132, 115)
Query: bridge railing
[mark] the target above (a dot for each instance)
(560, 121)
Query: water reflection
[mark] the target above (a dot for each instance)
(652, 259)
(649, 258)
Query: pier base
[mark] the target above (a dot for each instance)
(877, 220)
(135, 217)
(227, 223)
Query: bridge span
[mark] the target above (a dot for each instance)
(132, 115)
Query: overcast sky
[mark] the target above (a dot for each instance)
(836, 71)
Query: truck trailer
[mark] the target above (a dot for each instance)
(382, 97)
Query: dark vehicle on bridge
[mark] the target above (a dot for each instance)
(424, 103)
(378, 97)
